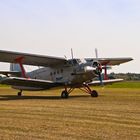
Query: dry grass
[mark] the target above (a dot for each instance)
(115, 114)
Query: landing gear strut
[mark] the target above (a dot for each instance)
(65, 93)
(20, 93)
(87, 89)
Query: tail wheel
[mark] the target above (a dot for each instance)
(94, 93)
(20, 93)
(64, 94)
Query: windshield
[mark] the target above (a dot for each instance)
(74, 61)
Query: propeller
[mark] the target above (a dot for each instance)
(100, 78)
(99, 72)
(105, 67)
(99, 67)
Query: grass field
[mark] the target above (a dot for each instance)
(115, 115)
(126, 84)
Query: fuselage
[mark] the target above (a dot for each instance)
(72, 73)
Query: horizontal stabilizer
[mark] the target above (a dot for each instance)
(10, 72)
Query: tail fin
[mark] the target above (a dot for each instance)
(15, 68)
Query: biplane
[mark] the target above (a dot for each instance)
(56, 72)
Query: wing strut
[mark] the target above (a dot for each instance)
(19, 60)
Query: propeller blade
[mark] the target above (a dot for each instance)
(101, 79)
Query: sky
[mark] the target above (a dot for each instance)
(53, 27)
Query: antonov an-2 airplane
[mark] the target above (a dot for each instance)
(56, 72)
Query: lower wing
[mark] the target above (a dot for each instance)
(24, 82)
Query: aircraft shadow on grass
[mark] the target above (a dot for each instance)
(15, 97)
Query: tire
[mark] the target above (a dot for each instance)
(64, 94)
(94, 93)
(19, 93)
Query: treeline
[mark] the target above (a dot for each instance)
(125, 76)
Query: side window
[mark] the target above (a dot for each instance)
(56, 72)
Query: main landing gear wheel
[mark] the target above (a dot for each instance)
(64, 94)
(94, 93)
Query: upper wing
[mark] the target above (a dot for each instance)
(111, 61)
(31, 59)
(35, 83)
(105, 82)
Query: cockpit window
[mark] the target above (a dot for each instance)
(76, 61)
